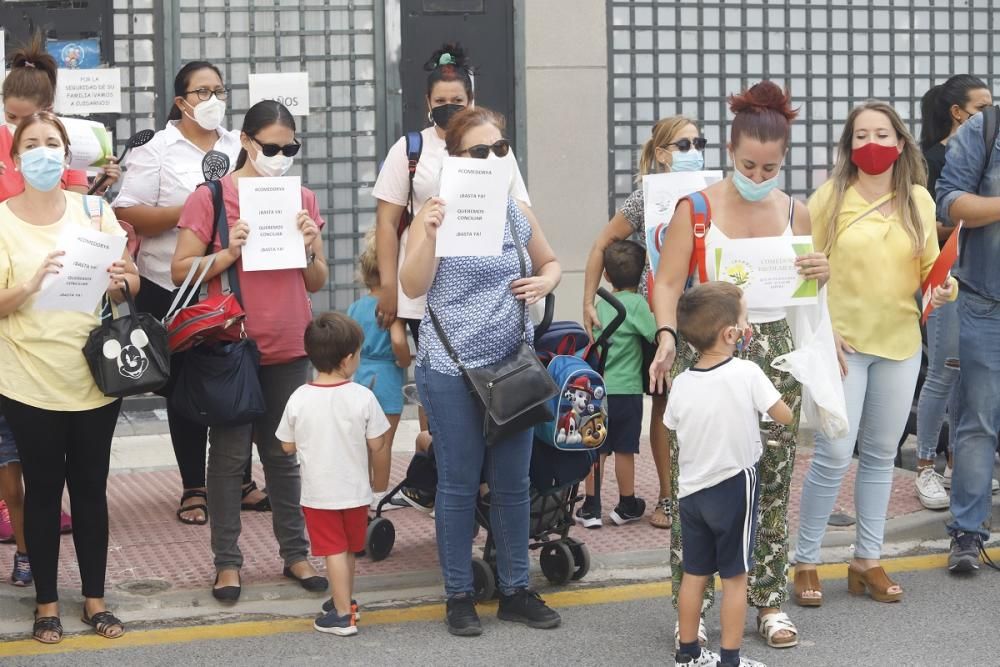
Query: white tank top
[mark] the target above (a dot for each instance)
(715, 237)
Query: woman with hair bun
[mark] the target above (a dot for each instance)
(675, 144)
(746, 204)
(30, 87)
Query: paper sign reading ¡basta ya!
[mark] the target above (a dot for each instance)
(764, 268)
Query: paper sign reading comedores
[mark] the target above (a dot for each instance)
(81, 92)
(764, 268)
(475, 194)
(84, 278)
(270, 206)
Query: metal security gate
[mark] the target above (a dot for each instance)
(686, 56)
(335, 41)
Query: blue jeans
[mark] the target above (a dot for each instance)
(879, 393)
(978, 415)
(940, 385)
(456, 422)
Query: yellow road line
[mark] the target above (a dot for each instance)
(427, 612)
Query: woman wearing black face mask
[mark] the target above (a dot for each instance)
(449, 90)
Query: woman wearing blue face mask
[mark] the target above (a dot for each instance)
(746, 204)
(62, 423)
(675, 144)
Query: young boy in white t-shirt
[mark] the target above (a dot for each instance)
(333, 424)
(713, 407)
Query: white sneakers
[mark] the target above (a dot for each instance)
(930, 489)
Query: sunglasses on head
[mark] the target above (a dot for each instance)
(684, 145)
(270, 150)
(482, 151)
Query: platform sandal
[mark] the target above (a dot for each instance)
(262, 505)
(103, 622)
(202, 507)
(44, 625)
(875, 581)
(807, 580)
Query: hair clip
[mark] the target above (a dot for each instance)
(28, 63)
(446, 59)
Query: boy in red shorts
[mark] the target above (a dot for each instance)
(333, 424)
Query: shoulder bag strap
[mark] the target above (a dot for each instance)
(859, 218)
(230, 277)
(991, 128)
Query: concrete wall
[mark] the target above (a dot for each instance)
(566, 81)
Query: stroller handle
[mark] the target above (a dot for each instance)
(550, 309)
(608, 331)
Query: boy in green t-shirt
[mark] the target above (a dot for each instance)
(623, 265)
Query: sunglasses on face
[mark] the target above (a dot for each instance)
(482, 151)
(684, 145)
(288, 150)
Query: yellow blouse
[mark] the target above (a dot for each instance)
(874, 276)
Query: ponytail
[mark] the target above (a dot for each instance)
(664, 133)
(935, 107)
(32, 74)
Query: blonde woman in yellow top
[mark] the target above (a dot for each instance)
(875, 221)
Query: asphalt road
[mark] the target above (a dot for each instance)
(943, 621)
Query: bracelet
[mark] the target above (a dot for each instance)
(669, 329)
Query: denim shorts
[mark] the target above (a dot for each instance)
(8, 448)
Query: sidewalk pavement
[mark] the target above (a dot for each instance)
(160, 569)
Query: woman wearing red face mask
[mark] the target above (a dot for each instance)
(875, 221)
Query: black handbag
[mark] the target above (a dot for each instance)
(128, 355)
(515, 392)
(219, 382)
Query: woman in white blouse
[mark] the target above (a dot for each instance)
(160, 176)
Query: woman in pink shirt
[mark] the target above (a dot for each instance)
(277, 310)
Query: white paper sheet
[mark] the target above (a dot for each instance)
(475, 195)
(89, 143)
(764, 268)
(660, 194)
(270, 206)
(81, 92)
(84, 278)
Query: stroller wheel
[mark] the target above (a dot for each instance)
(581, 558)
(380, 538)
(484, 582)
(556, 560)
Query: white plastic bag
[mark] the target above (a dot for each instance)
(814, 364)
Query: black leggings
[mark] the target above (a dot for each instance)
(189, 438)
(60, 449)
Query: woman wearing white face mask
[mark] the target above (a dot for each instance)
(277, 311)
(746, 204)
(161, 175)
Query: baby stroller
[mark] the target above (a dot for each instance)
(555, 473)
(558, 463)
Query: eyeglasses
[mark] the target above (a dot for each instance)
(270, 150)
(205, 94)
(684, 145)
(482, 151)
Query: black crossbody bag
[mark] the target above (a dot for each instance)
(514, 393)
